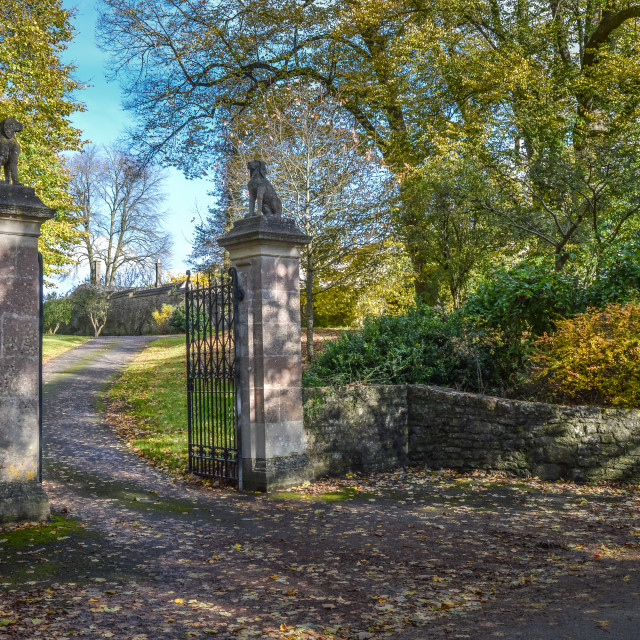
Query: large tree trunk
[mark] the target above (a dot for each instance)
(411, 230)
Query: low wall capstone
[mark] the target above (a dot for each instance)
(375, 427)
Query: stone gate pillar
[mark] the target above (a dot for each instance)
(266, 252)
(21, 215)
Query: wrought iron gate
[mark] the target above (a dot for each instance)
(211, 309)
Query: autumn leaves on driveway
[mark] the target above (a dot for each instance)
(405, 554)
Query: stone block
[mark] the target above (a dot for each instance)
(20, 298)
(276, 341)
(288, 275)
(282, 472)
(282, 371)
(23, 501)
(20, 336)
(27, 266)
(283, 405)
(8, 252)
(18, 377)
(266, 277)
(19, 441)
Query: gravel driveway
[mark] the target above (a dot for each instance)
(412, 554)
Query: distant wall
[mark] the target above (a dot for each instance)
(378, 427)
(130, 311)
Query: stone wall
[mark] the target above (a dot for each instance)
(356, 428)
(376, 427)
(130, 311)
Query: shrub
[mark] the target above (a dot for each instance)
(528, 298)
(162, 318)
(618, 280)
(592, 358)
(424, 346)
(178, 319)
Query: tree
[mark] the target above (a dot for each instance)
(85, 168)
(92, 301)
(328, 178)
(120, 198)
(561, 144)
(56, 311)
(455, 238)
(523, 86)
(36, 89)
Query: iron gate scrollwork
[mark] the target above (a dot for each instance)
(211, 310)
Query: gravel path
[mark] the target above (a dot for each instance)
(133, 554)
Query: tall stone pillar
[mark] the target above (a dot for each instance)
(266, 252)
(21, 215)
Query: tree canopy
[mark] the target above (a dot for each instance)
(538, 99)
(37, 89)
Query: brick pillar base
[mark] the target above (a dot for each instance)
(21, 494)
(266, 252)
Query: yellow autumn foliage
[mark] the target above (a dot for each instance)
(593, 357)
(161, 318)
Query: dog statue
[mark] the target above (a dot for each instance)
(262, 196)
(9, 149)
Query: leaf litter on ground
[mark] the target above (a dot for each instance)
(388, 553)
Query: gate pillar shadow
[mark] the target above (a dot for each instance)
(265, 250)
(21, 216)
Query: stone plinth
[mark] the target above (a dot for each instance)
(266, 252)
(21, 216)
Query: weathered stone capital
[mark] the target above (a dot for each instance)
(21, 211)
(264, 236)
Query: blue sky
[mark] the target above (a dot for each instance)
(105, 121)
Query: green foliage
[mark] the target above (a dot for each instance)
(525, 299)
(36, 89)
(618, 279)
(490, 342)
(592, 358)
(92, 301)
(162, 318)
(450, 236)
(56, 311)
(178, 319)
(422, 347)
(373, 281)
(550, 149)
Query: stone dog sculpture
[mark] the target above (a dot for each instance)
(262, 195)
(9, 149)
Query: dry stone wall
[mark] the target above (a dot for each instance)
(356, 429)
(377, 427)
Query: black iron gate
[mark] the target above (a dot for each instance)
(211, 308)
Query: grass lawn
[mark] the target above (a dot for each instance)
(54, 345)
(148, 404)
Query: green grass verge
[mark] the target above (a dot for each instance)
(54, 345)
(148, 404)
